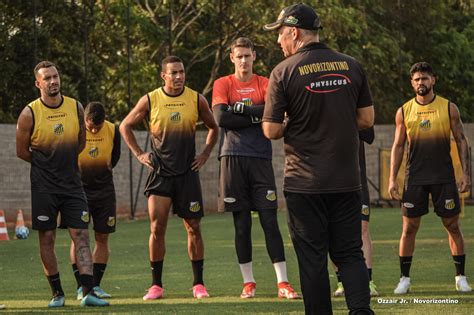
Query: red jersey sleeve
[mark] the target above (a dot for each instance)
(220, 91)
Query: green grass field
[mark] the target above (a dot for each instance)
(24, 289)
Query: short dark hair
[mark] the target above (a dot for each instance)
(170, 59)
(95, 111)
(44, 64)
(242, 42)
(421, 67)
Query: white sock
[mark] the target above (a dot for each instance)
(280, 270)
(247, 272)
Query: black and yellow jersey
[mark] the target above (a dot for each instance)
(54, 147)
(173, 128)
(428, 129)
(96, 161)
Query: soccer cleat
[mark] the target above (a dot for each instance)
(154, 292)
(285, 290)
(101, 293)
(249, 290)
(403, 286)
(92, 300)
(462, 285)
(373, 289)
(57, 301)
(339, 290)
(80, 294)
(199, 291)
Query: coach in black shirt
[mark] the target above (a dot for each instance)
(317, 100)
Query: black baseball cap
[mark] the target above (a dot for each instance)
(297, 15)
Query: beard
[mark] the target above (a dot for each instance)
(53, 94)
(423, 90)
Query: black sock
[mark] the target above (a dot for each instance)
(338, 276)
(156, 271)
(405, 264)
(198, 266)
(369, 270)
(459, 263)
(55, 284)
(76, 275)
(99, 270)
(87, 282)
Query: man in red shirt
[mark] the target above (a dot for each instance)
(246, 173)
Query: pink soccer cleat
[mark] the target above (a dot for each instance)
(285, 290)
(199, 291)
(155, 292)
(248, 290)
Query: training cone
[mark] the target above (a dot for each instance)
(21, 231)
(3, 227)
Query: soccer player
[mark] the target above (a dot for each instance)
(246, 173)
(173, 111)
(96, 161)
(426, 123)
(50, 134)
(317, 101)
(367, 136)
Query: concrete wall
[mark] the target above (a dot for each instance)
(15, 182)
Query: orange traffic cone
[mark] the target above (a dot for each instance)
(20, 221)
(3, 227)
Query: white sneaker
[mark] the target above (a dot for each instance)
(403, 286)
(462, 285)
(339, 290)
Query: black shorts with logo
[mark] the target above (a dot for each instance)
(184, 191)
(45, 208)
(365, 209)
(445, 200)
(103, 212)
(246, 183)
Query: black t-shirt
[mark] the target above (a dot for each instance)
(320, 90)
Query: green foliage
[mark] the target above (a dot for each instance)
(88, 40)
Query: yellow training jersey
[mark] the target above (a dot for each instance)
(173, 127)
(54, 147)
(95, 161)
(428, 129)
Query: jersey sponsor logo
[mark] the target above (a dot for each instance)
(174, 105)
(94, 152)
(42, 218)
(408, 205)
(85, 216)
(58, 129)
(175, 117)
(92, 140)
(425, 125)
(194, 206)
(111, 221)
(365, 210)
(229, 200)
(56, 116)
(246, 90)
(328, 83)
(449, 204)
(271, 195)
(247, 101)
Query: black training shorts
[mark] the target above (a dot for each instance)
(46, 206)
(246, 183)
(445, 200)
(184, 191)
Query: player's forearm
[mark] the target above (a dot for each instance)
(130, 140)
(395, 161)
(229, 120)
(463, 150)
(211, 141)
(254, 110)
(23, 154)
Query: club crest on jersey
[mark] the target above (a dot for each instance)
(449, 204)
(58, 129)
(111, 221)
(271, 195)
(425, 124)
(85, 216)
(247, 101)
(94, 152)
(365, 210)
(175, 117)
(194, 206)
